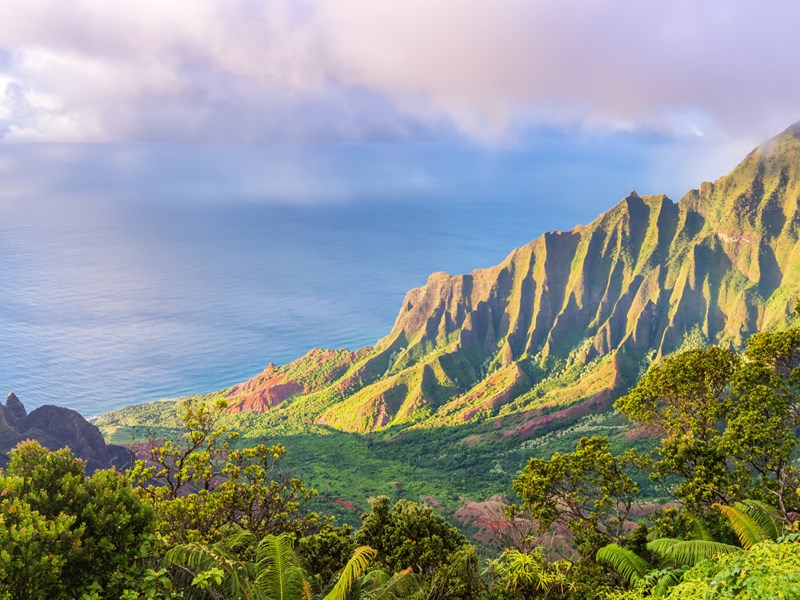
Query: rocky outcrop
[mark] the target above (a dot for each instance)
(57, 427)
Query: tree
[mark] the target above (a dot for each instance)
(588, 491)
(325, 553)
(63, 533)
(458, 578)
(686, 398)
(200, 484)
(760, 434)
(728, 423)
(409, 535)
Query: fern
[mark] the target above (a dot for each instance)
(698, 529)
(746, 528)
(275, 574)
(279, 574)
(764, 514)
(627, 563)
(689, 552)
(307, 595)
(398, 586)
(662, 580)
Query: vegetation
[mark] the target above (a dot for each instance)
(230, 487)
(63, 534)
(205, 514)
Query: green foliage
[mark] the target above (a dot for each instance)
(747, 529)
(765, 517)
(63, 533)
(728, 423)
(273, 571)
(326, 552)
(409, 535)
(200, 485)
(187, 461)
(627, 563)
(531, 575)
(589, 491)
(377, 585)
(767, 570)
(677, 554)
(458, 578)
(685, 395)
(689, 552)
(356, 567)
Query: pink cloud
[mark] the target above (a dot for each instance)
(260, 71)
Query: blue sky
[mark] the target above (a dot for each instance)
(320, 87)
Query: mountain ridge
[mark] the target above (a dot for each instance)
(573, 317)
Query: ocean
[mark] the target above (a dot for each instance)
(118, 290)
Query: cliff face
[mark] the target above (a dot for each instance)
(573, 316)
(56, 427)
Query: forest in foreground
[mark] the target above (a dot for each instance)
(200, 515)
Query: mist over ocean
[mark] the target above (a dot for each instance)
(121, 284)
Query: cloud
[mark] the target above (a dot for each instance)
(355, 70)
(616, 64)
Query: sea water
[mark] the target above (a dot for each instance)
(118, 289)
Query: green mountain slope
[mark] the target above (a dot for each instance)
(573, 317)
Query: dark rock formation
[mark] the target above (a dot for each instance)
(57, 427)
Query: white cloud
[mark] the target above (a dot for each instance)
(264, 70)
(618, 61)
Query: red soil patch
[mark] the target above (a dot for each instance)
(346, 504)
(489, 520)
(273, 386)
(263, 392)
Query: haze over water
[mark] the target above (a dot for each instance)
(120, 288)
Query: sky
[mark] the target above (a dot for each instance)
(92, 80)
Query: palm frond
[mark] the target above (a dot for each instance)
(689, 552)
(367, 583)
(746, 528)
(627, 563)
(355, 568)
(307, 595)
